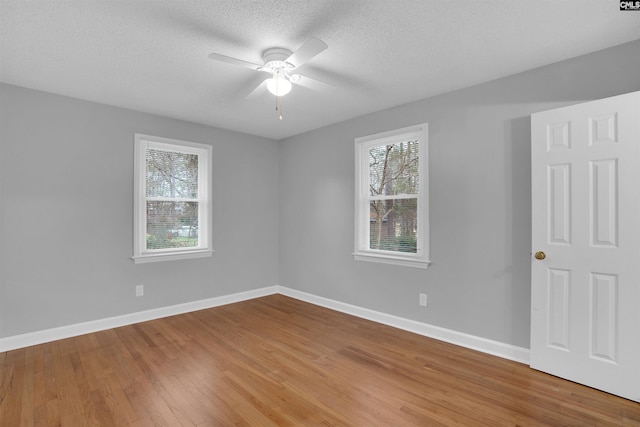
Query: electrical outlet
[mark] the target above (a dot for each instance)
(423, 300)
(139, 290)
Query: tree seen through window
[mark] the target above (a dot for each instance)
(393, 186)
(171, 188)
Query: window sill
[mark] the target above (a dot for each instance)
(171, 256)
(404, 261)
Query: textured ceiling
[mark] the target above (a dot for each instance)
(152, 55)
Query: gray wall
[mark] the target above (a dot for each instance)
(66, 208)
(479, 280)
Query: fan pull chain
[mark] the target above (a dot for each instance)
(279, 106)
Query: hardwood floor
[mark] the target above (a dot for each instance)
(276, 361)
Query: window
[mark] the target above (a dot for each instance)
(172, 199)
(392, 188)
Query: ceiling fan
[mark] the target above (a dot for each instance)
(281, 63)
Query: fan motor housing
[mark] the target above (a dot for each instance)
(274, 59)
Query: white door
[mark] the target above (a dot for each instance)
(585, 292)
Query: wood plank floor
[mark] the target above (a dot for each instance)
(276, 361)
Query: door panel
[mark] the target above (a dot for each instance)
(604, 327)
(603, 186)
(585, 294)
(560, 203)
(558, 322)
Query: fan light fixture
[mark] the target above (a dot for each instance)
(278, 84)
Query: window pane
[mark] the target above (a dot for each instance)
(172, 225)
(393, 225)
(171, 174)
(393, 169)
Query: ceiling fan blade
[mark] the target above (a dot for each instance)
(259, 90)
(310, 83)
(308, 50)
(234, 61)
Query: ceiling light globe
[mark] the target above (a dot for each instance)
(279, 86)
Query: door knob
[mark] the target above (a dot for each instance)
(540, 255)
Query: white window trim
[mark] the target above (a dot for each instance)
(140, 255)
(362, 210)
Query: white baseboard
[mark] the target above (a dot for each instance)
(496, 348)
(62, 332)
(484, 345)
